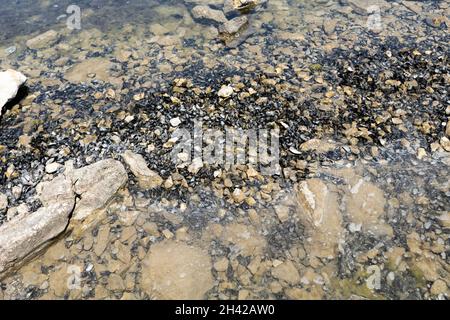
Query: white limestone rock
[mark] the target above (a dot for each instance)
(10, 82)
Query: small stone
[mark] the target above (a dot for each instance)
(225, 92)
(329, 26)
(17, 191)
(10, 50)
(282, 213)
(168, 234)
(447, 130)
(207, 13)
(286, 272)
(115, 283)
(195, 166)
(438, 287)
(151, 228)
(445, 143)
(175, 122)
(52, 167)
(147, 179)
(221, 265)
(421, 153)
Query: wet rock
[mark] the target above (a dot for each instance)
(362, 7)
(221, 265)
(329, 26)
(43, 40)
(23, 237)
(320, 146)
(10, 82)
(115, 283)
(3, 201)
(96, 185)
(58, 280)
(231, 31)
(82, 72)
(225, 91)
(319, 212)
(52, 167)
(245, 239)
(230, 28)
(147, 179)
(438, 287)
(365, 206)
(166, 40)
(209, 14)
(286, 271)
(176, 271)
(231, 7)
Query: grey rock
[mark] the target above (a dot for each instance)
(207, 13)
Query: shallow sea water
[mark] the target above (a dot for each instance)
(362, 215)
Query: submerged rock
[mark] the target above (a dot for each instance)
(207, 13)
(43, 40)
(147, 179)
(21, 238)
(3, 201)
(176, 271)
(10, 82)
(233, 30)
(319, 212)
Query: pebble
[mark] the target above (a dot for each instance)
(52, 167)
(225, 91)
(175, 122)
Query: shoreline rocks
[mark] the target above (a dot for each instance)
(71, 200)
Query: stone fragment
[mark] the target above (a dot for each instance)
(147, 179)
(209, 14)
(22, 237)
